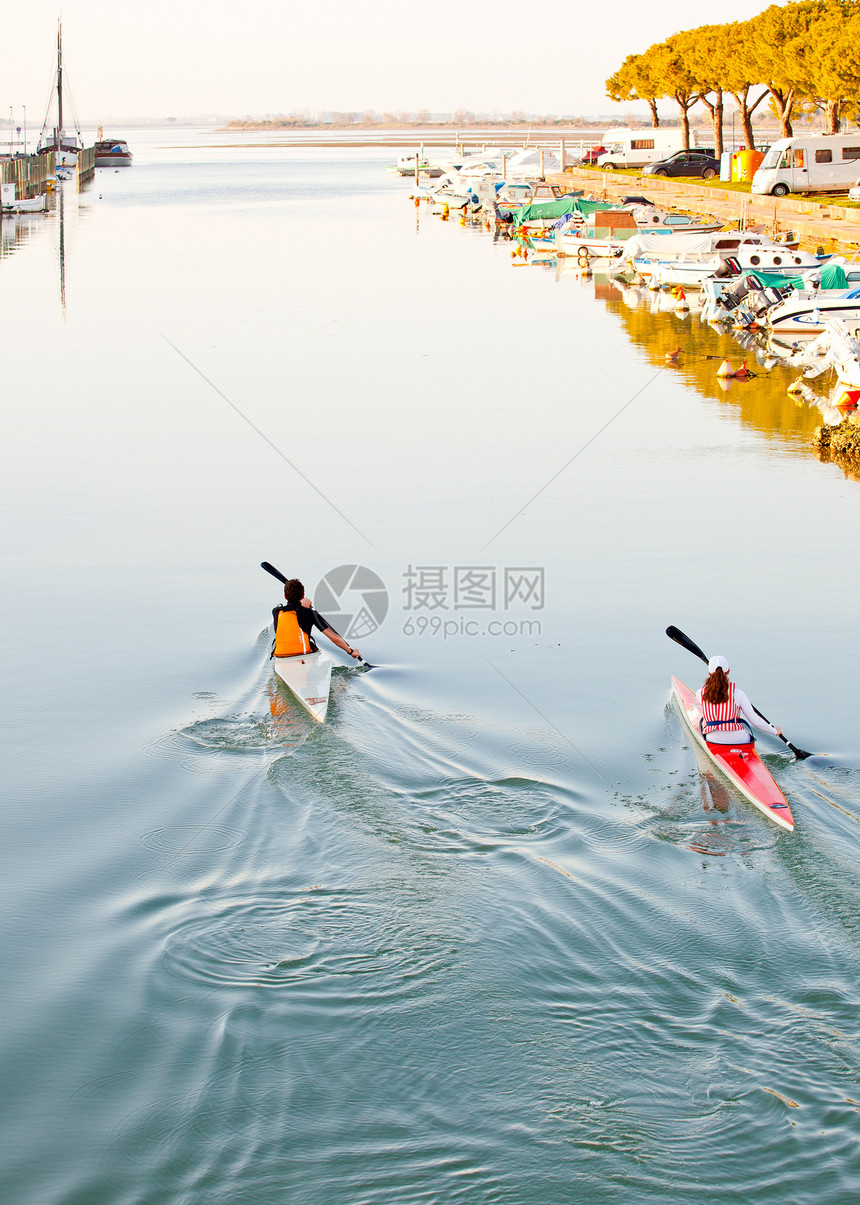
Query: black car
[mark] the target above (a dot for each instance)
(700, 161)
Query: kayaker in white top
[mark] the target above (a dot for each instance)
(728, 717)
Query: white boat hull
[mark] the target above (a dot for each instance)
(596, 248)
(806, 313)
(308, 676)
(30, 205)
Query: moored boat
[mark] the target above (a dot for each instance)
(308, 676)
(112, 152)
(741, 763)
(65, 146)
(9, 203)
(772, 258)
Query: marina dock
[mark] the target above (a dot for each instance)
(34, 174)
(828, 223)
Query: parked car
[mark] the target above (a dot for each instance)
(698, 161)
(854, 191)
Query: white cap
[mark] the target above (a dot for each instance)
(718, 663)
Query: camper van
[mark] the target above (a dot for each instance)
(637, 148)
(810, 163)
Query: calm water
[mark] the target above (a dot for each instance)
(487, 936)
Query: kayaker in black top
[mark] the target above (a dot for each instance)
(293, 632)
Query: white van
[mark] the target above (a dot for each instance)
(637, 148)
(810, 163)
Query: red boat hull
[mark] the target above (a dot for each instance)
(740, 763)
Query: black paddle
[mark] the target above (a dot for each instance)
(277, 573)
(678, 636)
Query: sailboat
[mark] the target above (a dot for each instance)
(65, 146)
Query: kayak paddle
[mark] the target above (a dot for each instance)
(274, 572)
(277, 573)
(678, 636)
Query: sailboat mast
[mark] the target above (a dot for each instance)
(59, 85)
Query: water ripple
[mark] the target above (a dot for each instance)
(344, 945)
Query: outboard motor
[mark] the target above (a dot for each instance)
(730, 266)
(730, 301)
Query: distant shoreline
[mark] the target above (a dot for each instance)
(546, 126)
(360, 128)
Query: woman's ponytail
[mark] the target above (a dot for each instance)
(716, 688)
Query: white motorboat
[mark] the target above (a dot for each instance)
(531, 163)
(798, 305)
(308, 676)
(772, 258)
(658, 247)
(9, 203)
(112, 152)
(606, 233)
(654, 221)
(807, 311)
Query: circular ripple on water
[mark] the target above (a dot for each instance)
(542, 753)
(344, 944)
(193, 836)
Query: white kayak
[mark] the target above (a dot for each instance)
(308, 675)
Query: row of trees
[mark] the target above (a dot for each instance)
(802, 56)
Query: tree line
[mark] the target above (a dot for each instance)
(802, 57)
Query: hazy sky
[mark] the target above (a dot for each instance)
(165, 58)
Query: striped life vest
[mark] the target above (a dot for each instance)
(719, 717)
(290, 640)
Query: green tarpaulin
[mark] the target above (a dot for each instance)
(559, 208)
(774, 280)
(832, 277)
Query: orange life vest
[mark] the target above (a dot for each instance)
(290, 640)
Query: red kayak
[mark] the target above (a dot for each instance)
(740, 764)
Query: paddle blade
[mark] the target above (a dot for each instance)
(678, 636)
(274, 572)
(800, 754)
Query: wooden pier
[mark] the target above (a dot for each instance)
(34, 174)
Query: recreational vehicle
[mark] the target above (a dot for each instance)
(637, 148)
(809, 163)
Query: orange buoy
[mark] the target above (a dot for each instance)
(743, 371)
(725, 370)
(673, 355)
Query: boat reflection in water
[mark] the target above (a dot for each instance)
(676, 340)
